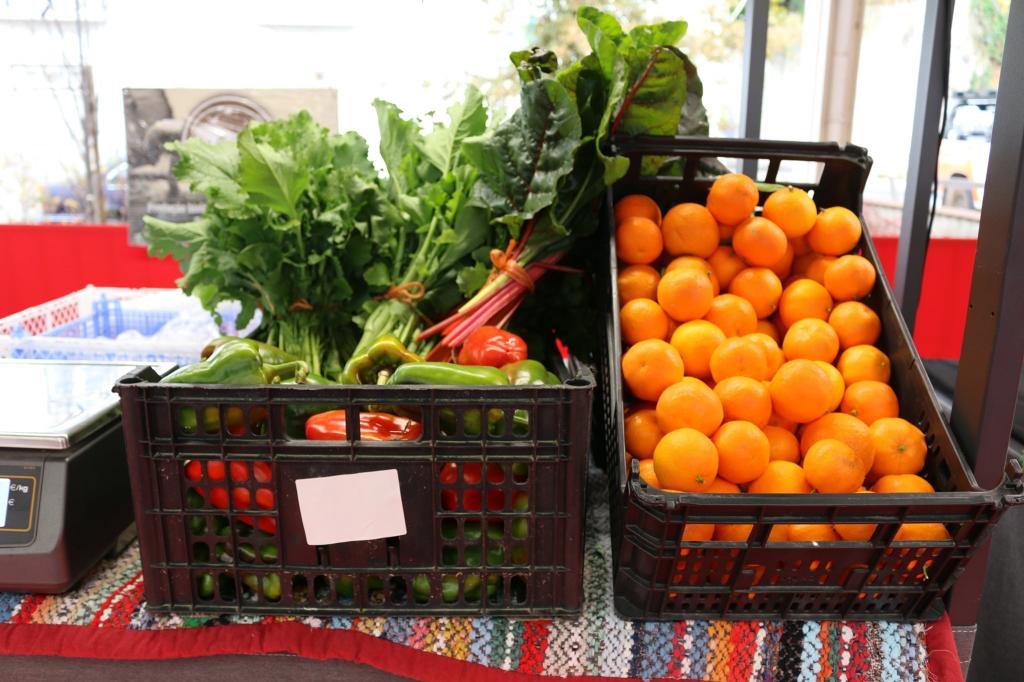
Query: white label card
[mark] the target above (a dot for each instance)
(351, 507)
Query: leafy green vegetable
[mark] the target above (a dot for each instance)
(293, 218)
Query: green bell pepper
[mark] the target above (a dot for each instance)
(236, 364)
(447, 374)
(272, 355)
(376, 363)
(529, 373)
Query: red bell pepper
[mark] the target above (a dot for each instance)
(372, 426)
(492, 347)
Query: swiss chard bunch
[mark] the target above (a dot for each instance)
(296, 225)
(540, 171)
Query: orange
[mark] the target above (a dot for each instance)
(638, 241)
(697, 532)
(732, 198)
(849, 278)
(844, 428)
(696, 341)
(650, 367)
(784, 266)
(743, 451)
(733, 532)
(726, 265)
(689, 404)
(831, 466)
(768, 328)
(780, 477)
(720, 485)
(792, 209)
(686, 460)
(780, 421)
(902, 483)
(689, 229)
(812, 532)
(804, 298)
(855, 323)
(744, 399)
(817, 267)
(759, 241)
(685, 294)
(863, 363)
(647, 473)
(697, 264)
(811, 339)
(783, 444)
(870, 401)
(733, 315)
(642, 433)
(772, 352)
(921, 532)
(739, 356)
(899, 447)
(836, 230)
(638, 281)
(761, 287)
(838, 385)
(637, 205)
(802, 262)
(643, 319)
(801, 391)
(856, 532)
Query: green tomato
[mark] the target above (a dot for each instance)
(272, 587)
(345, 587)
(421, 588)
(520, 529)
(204, 586)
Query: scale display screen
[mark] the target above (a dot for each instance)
(18, 487)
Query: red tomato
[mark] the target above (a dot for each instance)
(241, 498)
(262, 472)
(219, 497)
(495, 474)
(193, 470)
(492, 346)
(448, 474)
(215, 470)
(239, 471)
(264, 498)
(268, 525)
(471, 472)
(471, 499)
(449, 499)
(495, 500)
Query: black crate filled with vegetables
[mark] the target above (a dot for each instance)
(410, 321)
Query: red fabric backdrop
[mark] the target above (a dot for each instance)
(42, 262)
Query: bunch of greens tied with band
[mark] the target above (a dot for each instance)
(299, 224)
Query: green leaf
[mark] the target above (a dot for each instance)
(178, 240)
(377, 275)
(211, 169)
(441, 147)
(534, 63)
(604, 34)
(472, 277)
(398, 138)
(270, 175)
(694, 121)
(660, 93)
(667, 33)
(521, 161)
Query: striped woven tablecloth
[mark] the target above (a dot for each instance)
(107, 618)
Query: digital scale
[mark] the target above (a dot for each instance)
(65, 499)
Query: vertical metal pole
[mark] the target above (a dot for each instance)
(842, 57)
(993, 349)
(755, 42)
(924, 157)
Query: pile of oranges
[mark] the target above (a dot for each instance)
(752, 360)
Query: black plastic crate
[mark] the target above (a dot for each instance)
(494, 517)
(657, 576)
